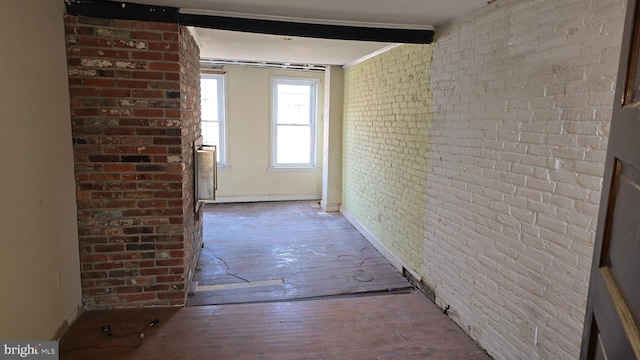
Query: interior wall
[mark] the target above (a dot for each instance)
(192, 224)
(247, 177)
(332, 142)
(385, 149)
(134, 89)
(522, 95)
(40, 275)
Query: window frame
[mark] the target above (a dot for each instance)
(222, 147)
(313, 122)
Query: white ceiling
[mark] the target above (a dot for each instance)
(228, 45)
(233, 45)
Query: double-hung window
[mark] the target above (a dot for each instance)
(212, 108)
(293, 122)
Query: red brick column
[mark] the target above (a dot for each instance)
(135, 113)
(190, 117)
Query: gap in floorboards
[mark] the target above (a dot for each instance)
(399, 291)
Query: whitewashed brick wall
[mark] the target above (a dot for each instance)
(385, 148)
(522, 97)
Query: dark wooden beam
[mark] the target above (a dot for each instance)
(128, 11)
(122, 10)
(324, 31)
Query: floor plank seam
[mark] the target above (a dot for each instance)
(394, 291)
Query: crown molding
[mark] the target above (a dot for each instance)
(367, 57)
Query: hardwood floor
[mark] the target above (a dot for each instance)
(397, 326)
(283, 251)
(288, 282)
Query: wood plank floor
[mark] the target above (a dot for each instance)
(274, 253)
(283, 251)
(397, 326)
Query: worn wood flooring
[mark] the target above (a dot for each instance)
(289, 283)
(398, 326)
(285, 250)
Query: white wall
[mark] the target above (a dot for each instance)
(38, 225)
(249, 142)
(522, 98)
(385, 150)
(332, 144)
(505, 117)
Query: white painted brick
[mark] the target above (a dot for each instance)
(559, 201)
(544, 100)
(572, 192)
(594, 198)
(544, 185)
(571, 217)
(497, 185)
(388, 124)
(552, 224)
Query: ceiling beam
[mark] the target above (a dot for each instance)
(323, 31)
(129, 11)
(122, 10)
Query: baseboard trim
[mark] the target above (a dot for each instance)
(66, 324)
(261, 198)
(393, 259)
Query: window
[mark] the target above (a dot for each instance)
(212, 105)
(293, 124)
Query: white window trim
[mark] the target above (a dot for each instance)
(222, 108)
(293, 169)
(311, 166)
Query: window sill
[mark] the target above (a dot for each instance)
(224, 168)
(292, 169)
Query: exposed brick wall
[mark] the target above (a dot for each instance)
(190, 121)
(133, 121)
(522, 95)
(385, 131)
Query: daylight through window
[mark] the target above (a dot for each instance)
(294, 122)
(212, 113)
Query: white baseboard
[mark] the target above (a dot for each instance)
(330, 207)
(400, 265)
(261, 198)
